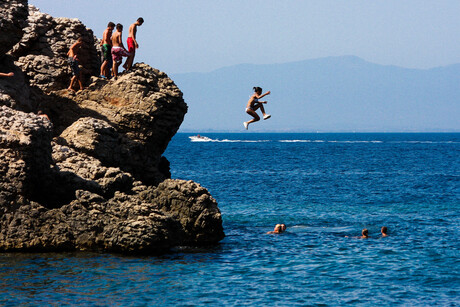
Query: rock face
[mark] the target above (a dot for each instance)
(42, 51)
(25, 151)
(175, 213)
(137, 115)
(93, 176)
(13, 20)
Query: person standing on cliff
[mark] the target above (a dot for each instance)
(74, 65)
(132, 43)
(106, 44)
(118, 50)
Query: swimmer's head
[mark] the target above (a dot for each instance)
(384, 230)
(257, 89)
(119, 27)
(279, 228)
(140, 21)
(365, 233)
(111, 25)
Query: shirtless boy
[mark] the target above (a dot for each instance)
(118, 50)
(132, 43)
(73, 62)
(106, 44)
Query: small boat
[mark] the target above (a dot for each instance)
(199, 138)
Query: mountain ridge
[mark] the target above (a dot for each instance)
(344, 57)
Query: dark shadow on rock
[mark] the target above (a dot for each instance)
(15, 91)
(63, 111)
(164, 167)
(13, 20)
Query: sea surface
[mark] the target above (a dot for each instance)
(324, 187)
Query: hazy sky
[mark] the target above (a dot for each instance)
(203, 35)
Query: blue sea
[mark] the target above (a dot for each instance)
(324, 187)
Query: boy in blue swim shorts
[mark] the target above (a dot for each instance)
(74, 65)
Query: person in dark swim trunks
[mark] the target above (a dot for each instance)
(254, 104)
(106, 44)
(74, 65)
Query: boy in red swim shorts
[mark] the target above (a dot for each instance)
(132, 43)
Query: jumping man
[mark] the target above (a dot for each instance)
(254, 104)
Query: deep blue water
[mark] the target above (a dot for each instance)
(323, 187)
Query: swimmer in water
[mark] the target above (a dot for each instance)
(384, 231)
(279, 228)
(254, 104)
(364, 234)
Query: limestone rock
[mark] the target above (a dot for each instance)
(25, 151)
(42, 51)
(13, 17)
(93, 177)
(14, 92)
(125, 223)
(78, 171)
(131, 120)
(190, 204)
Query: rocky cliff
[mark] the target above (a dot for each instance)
(92, 177)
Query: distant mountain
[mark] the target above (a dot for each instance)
(327, 94)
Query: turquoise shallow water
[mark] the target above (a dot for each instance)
(323, 187)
